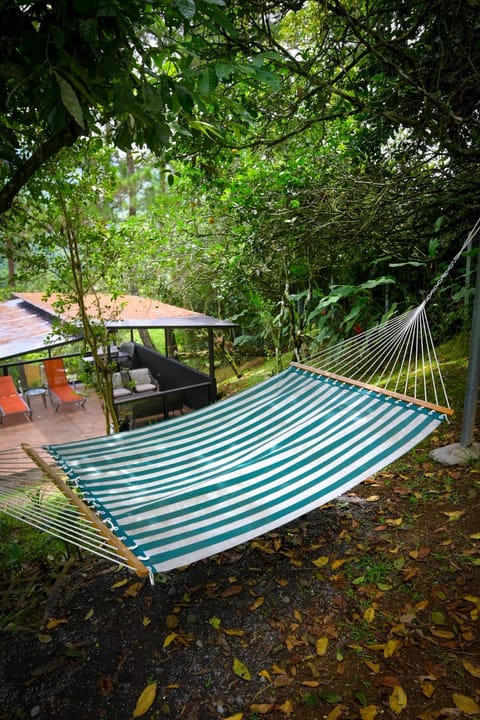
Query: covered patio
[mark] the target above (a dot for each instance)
(47, 426)
(26, 327)
(26, 322)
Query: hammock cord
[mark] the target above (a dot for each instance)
(397, 355)
(26, 494)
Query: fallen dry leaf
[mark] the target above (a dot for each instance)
(146, 699)
(466, 704)
(473, 599)
(241, 670)
(232, 590)
(369, 615)
(336, 713)
(169, 639)
(321, 645)
(392, 647)
(420, 554)
(44, 639)
(256, 603)
(394, 522)
(397, 700)
(120, 583)
(262, 708)
(427, 688)
(286, 708)
(105, 684)
(54, 622)
(133, 590)
(282, 681)
(472, 669)
(445, 634)
(369, 712)
(321, 561)
(409, 573)
(454, 515)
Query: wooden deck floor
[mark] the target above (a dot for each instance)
(69, 423)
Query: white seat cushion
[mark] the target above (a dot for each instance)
(144, 387)
(121, 392)
(141, 376)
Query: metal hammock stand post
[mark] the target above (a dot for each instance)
(166, 495)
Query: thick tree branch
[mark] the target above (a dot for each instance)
(27, 170)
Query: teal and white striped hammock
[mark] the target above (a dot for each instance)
(182, 490)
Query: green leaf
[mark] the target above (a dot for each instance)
(375, 282)
(223, 70)
(70, 100)
(411, 263)
(208, 80)
(331, 697)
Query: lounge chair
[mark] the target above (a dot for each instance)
(61, 393)
(11, 402)
(119, 384)
(127, 382)
(143, 380)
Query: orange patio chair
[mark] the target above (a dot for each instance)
(11, 402)
(61, 393)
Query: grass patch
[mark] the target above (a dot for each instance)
(22, 544)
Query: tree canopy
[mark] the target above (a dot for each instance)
(139, 73)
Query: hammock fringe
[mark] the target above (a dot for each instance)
(73, 497)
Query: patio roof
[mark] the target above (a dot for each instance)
(26, 319)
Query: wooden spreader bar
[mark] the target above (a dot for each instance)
(73, 497)
(374, 388)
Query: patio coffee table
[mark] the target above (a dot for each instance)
(36, 392)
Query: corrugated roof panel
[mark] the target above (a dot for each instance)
(26, 320)
(23, 330)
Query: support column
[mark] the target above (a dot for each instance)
(211, 353)
(462, 452)
(473, 375)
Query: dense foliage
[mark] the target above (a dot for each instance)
(302, 167)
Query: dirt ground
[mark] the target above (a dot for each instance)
(366, 608)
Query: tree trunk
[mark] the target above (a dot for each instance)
(146, 338)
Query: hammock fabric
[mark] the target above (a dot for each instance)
(183, 490)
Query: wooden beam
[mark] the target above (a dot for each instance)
(374, 388)
(87, 512)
